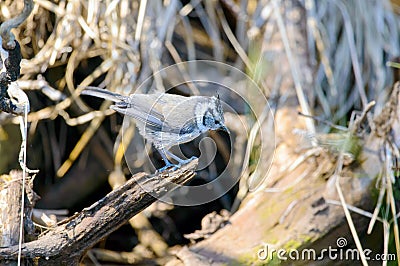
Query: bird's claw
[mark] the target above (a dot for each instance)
(183, 162)
(172, 167)
(168, 167)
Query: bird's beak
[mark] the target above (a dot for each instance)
(224, 128)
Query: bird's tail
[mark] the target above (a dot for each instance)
(105, 94)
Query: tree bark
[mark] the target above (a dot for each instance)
(10, 210)
(68, 241)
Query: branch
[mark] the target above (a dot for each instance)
(67, 242)
(5, 29)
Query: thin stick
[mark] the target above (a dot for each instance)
(350, 221)
(5, 28)
(24, 132)
(294, 69)
(235, 43)
(377, 207)
(324, 121)
(353, 52)
(313, 25)
(354, 209)
(392, 201)
(139, 27)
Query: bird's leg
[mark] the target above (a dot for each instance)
(179, 160)
(164, 153)
(168, 164)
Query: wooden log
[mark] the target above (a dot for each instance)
(10, 210)
(68, 242)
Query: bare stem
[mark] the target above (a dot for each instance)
(5, 28)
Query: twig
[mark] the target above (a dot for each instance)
(294, 67)
(235, 43)
(349, 219)
(353, 209)
(322, 51)
(83, 141)
(353, 52)
(320, 120)
(377, 207)
(352, 129)
(5, 28)
(139, 27)
(391, 200)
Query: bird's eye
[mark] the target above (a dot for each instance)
(217, 122)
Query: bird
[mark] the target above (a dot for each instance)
(166, 120)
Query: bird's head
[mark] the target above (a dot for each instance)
(210, 115)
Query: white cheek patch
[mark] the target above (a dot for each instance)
(200, 125)
(200, 111)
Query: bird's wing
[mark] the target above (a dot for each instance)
(152, 119)
(146, 109)
(179, 112)
(161, 112)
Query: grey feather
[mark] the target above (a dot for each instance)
(105, 94)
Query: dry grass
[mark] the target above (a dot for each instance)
(68, 45)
